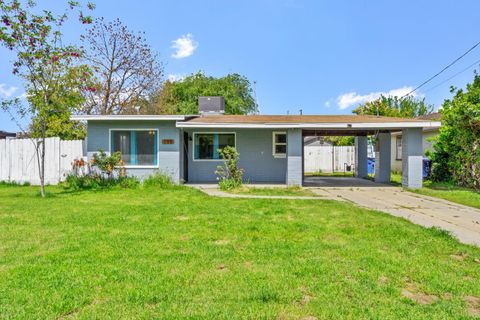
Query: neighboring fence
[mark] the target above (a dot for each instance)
(328, 158)
(18, 160)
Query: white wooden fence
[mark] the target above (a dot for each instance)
(18, 160)
(328, 158)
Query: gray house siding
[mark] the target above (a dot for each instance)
(295, 157)
(255, 148)
(170, 160)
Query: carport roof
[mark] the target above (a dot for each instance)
(306, 121)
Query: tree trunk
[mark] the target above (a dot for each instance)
(42, 168)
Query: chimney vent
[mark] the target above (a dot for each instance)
(211, 105)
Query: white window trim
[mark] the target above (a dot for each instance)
(274, 143)
(136, 129)
(216, 132)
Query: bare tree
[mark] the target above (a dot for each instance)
(126, 68)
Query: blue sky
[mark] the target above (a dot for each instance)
(323, 57)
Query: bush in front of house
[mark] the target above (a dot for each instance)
(159, 180)
(230, 176)
(104, 171)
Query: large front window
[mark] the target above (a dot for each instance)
(138, 147)
(207, 145)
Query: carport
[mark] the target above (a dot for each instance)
(361, 127)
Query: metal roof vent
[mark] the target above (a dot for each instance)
(211, 105)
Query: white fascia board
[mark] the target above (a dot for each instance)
(126, 117)
(379, 126)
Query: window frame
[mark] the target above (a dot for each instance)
(136, 166)
(215, 132)
(274, 144)
(397, 155)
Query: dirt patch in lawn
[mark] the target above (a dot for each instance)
(473, 305)
(411, 292)
(459, 256)
(222, 242)
(181, 218)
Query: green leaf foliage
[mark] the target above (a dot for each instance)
(456, 155)
(408, 107)
(181, 97)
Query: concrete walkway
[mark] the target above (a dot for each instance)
(462, 221)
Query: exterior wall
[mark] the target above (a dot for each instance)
(294, 157)
(361, 156)
(382, 158)
(255, 148)
(412, 155)
(169, 156)
(427, 146)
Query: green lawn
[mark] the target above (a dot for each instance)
(178, 254)
(446, 191)
(275, 191)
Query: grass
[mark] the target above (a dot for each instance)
(447, 191)
(274, 191)
(177, 254)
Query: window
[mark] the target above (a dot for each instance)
(399, 148)
(279, 144)
(138, 147)
(207, 145)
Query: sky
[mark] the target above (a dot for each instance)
(323, 57)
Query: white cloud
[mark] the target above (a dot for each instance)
(173, 77)
(7, 91)
(184, 46)
(350, 99)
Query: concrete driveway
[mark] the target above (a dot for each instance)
(461, 221)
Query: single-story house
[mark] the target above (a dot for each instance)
(271, 146)
(428, 134)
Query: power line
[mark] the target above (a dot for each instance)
(456, 74)
(441, 71)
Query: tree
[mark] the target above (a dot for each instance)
(48, 67)
(408, 107)
(456, 155)
(126, 68)
(181, 97)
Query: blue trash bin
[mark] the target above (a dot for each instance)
(371, 165)
(427, 164)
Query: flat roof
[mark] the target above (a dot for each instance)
(306, 121)
(330, 122)
(127, 117)
(297, 119)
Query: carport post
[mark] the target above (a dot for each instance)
(294, 157)
(361, 157)
(412, 158)
(383, 158)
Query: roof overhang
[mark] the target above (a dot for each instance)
(128, 117)
(397, 125)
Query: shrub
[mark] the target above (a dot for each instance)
(456, 155)
(158, 180)
(108, 165)
(230, 176)
(128, 182)
(111, 172)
